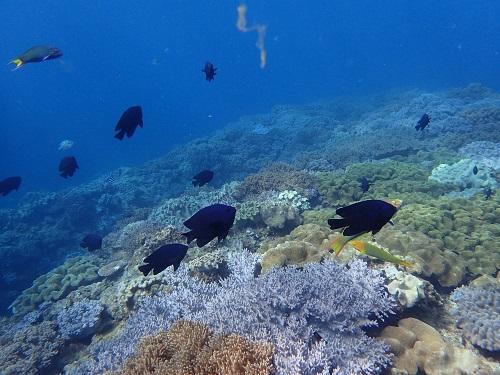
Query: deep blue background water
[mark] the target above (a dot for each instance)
(118, 54)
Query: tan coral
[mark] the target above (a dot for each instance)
(419, 348)
(189, 348)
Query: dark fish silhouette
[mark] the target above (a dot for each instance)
(475, 170)
(488, 192)
(365, 216)
(36, 54)
(68, 166)
(163, 257)
(210, 222)
(9, 184)
(364, 184)
(203, 178)
(210, 71)
(91, 242)
(128, 122)
(423, 122)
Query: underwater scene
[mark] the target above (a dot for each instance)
(250, 188)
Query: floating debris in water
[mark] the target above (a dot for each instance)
(66, 144)
(241, 25)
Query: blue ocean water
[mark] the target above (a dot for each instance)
(121, 54)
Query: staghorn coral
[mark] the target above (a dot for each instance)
(58, 283)
(189, 348)
(418, 347)
(477, 312)
(81, 320)
(285, 307)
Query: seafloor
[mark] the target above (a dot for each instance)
(270, 299)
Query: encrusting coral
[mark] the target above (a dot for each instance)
(190, 348)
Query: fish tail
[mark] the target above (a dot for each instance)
(190, 236)
(338, 244)
(17, 62)
(120, 135)
(146, 269)
(359, 245)
(337, 223)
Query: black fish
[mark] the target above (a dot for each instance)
(128, 122)
(68, 166)
(210, 71)
(36, 54)
(370, 215)
(364, 184)
(475, 170)
(488, 192)
(163, 257)
(203, 178)
(423, 122)
(210, 222)
(91, 242)
(9, 184)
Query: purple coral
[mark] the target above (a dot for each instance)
(287, 306)
(478, 313)
(80, 320)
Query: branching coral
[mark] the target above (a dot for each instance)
(477, 312)
(189, 348)
(287, 307)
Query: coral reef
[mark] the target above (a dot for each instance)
(81, 320)
(407, 289)
(190, 348)
(58, 283)
(477, 312)
(468, 227)
(287, 307)
(419, 347)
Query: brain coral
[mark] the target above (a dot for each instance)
(58, 283)
(477, 312)
(190, 348)
(471, 228)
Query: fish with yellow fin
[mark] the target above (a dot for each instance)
(36, 54)
(370, 249)
(339, 242)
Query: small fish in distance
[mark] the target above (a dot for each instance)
(475, 170)
(66, 144)
(203, 178)
(129, 121)
(163, 257)
(210, 222)
(364, 184)
(91, 242)
(365, 216)
(36, 54)
(9, 184)
(210, 71)
(423, 122)
(68, 166)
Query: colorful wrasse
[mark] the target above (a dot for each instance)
(36, 54)
(339, 242)
(375, 251)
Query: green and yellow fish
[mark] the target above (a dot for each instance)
(36, 54)
(370, 249)
(339, 242)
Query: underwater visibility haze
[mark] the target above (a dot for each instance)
(250, 188)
